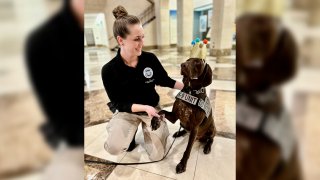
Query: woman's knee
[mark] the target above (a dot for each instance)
(113, 148)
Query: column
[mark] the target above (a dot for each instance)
(162, 12)
(313, 9)
(223, 27)
(109, 20)
(185, 24)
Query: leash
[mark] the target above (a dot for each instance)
(115, 163)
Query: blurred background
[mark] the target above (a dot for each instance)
(301, 93)
(24, 152)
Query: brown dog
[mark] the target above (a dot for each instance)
(266, 58)
(193, 118)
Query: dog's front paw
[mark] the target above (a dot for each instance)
(155, 123)
(180, 168)
(176, 134)
(207, 149)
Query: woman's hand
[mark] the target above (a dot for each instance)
(178, 85)
(151, 111)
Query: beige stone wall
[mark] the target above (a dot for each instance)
(150, 32)
(133, 7)
(223, 22)
(162, 23)
(185, 24)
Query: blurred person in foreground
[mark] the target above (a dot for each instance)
(54, 57)
(266, 59)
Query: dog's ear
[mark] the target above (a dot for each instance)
(186, 81)
(206, 76)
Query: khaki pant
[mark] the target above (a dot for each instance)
(121, 130)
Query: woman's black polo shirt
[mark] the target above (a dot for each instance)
(127, 85)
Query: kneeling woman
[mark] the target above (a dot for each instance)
(129, 80)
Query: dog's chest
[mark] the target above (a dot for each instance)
(185, 112)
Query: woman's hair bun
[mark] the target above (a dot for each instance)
(119, 12)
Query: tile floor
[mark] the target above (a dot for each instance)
(220, 163)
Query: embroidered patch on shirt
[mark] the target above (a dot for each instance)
(147, 72)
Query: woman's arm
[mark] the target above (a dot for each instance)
(145, 108)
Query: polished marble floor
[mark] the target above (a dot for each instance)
(219, 164)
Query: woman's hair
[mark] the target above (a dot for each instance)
(122, 20)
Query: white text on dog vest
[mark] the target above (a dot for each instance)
(203, 104)
(187, 97)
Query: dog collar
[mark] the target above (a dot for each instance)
(199, 91)
(195, 92)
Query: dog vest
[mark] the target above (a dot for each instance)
(278, 128)
(203, 103)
